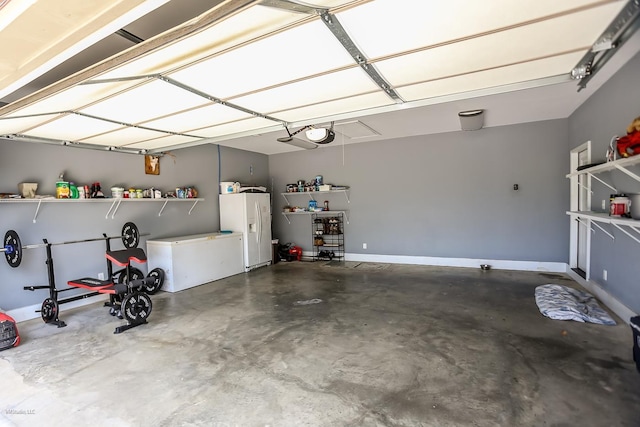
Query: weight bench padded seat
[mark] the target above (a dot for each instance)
(123, 257)
(100, 286)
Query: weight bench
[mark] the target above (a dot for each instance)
(126, 300)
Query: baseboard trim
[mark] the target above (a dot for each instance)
(29, 312)
(553, 267)
(614, 304)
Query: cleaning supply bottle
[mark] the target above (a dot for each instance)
(73, 191)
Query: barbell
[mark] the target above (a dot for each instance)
(13, 247)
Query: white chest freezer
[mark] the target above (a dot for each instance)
(193, 260)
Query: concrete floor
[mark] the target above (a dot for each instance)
(388, 345)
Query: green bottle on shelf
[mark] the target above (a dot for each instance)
(73, 191)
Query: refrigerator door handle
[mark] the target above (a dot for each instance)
(259, 218)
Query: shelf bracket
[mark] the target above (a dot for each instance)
(604, 231)
(599, 180)
(626, 232)
(346, 195)
(110, 208)
(37, 210)
(628, 172)
(286, 200)
(163, 205)
(586, 225)
(113, 214)
(287, 218)
(585, 187)
(194, 205)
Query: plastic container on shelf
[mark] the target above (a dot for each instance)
(228, 187)
(634, 209)
(62, 190)
(619, 205)
(73, 191)
(117, 192)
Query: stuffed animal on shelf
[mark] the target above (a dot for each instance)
(629, 145)
(634, 126)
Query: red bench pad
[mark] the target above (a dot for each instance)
(123, 257)
(102, 286)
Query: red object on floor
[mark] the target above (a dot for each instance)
(296, 251)
(9, 336)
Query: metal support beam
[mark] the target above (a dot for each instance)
(331, 21)
(216, 14)
(617, 33)
(292, 6)
(217, 100)
(129, 36)
(37, 139)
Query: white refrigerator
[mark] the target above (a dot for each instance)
(249, 214)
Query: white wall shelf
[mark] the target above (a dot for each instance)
(113, 207)
(617, 222)
(307, 213)
(620, 165)
(311, 194)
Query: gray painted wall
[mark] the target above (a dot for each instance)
(246, 167)
(608, 112)
(26, 162)
(445, 195)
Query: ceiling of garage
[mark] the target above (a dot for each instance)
(243, 72)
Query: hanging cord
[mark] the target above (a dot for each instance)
(219, 171)
(342, 136)
(170, 154)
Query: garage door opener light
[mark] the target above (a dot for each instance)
(321, 135)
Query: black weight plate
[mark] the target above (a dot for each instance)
(136, 307)
(135, 274)
(130, 235)
(49, 310)
(158, 275)
(13, 248)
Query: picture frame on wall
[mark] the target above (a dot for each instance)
(151, 164)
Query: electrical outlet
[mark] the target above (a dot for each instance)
(364, 246)
(604, 205)
(604, 275)
(100, 276)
